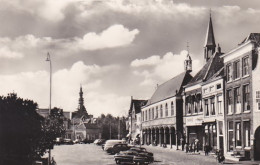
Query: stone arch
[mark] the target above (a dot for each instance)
(257, 144)
(173, 133)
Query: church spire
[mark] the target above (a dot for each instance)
(188, 61)
(210, 45)
(81, 106)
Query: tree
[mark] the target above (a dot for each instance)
(24, 134)
(20, 130)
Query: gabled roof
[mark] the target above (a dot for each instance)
(136, 104)
(210, 39)
(170, 88)
(213, 65)
(252, 37)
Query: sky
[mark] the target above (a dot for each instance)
(114, 48)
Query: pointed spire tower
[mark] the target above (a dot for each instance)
(188, 61)
(210, 45)
(81, 107)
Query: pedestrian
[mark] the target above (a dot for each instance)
(187, 147)
(190, 147)
(193, 147)
(206, 150)
(197, 144)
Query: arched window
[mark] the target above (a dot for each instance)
(166, 109)
(172, 108)
(161, 111)
(149, 114)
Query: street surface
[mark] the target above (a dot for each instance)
(90, 154)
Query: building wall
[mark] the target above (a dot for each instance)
(239, 116)
(215, 90)
(166, 117)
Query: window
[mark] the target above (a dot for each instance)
(236, 69)
(212, 107)
(245, 64)
(230, 136)
(211, 88)
(246, 97)
(218, 86)
(146, 115)
(166, 109)
(205, 90)
(156, 115)
(219, 104)
(172, 108)
(143, 116)
(238, 134)
(152, 113)
(149, 114)
(247, 133)
(161, 111)
(237, 100)
(206, 107)
(229, 73)
(229, 102)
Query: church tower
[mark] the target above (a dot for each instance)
(188, 62)
(81, 107)
(210, 45)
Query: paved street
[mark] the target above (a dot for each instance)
(90, 154)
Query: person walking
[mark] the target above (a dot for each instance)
(197, 144)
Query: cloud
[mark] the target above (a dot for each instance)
(164, 68)
(153, 60)
(65, 87)
(5, 52)
(114, 36)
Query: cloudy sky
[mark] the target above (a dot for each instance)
(114, 48)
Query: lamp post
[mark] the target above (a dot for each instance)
(48, 59)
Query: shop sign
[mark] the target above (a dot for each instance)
(194, 120)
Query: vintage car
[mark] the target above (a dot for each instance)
(117, 148)
(143, 151)
(131, 156)
(141, 159)
(125, 156)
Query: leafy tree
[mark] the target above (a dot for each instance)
(20, 130)
(24, 134)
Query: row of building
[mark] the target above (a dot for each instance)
(219, 106)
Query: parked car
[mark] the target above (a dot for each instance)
(117, 148)
(87, 141)
(141, 159)
(125, 156)
(59, 141)
(143, 151)
(96, 141)
(68, 141)
(111, 143)
(76, 141)
(101, 141)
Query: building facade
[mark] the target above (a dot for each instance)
(200, 94)
(162, 118)
(242, 98)
(134, 120)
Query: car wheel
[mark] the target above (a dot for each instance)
(117, 161)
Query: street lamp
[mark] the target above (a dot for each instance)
(49, 60)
